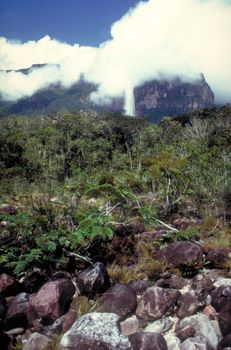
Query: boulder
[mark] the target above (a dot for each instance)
(147, 341)
(33, 281)
(182, 253)
(173, 282)
(197, 343)
(98, 331)
(221, 297)
(224, 319)
(69, 319)
(19, 312)
(8, 209)
(131, 325)
(94, 280)
(199, 325)
(218, 256)
(53, 299)
(9, 286)
(139, 286)
(202, 286)
(5, 340)
(184, 223)
(172, 341)
(225, 342)
(119, 299)
(188, 304)
(36, 341)
(156, 302)
(160, 326)
(2, 307)
(210, 312)
(221, 281)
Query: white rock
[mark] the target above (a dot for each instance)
(197, 343)
(202, 327)
(222, 282)
(160, 326)
(96, 328)
(172, 341)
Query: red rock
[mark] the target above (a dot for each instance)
(156, 302)
(221, 297)
(119, 299)
(7, 209)
(182, 253)
(218, 256)
(148, 341)
(19, 312)
(210, 312)
(188, 304)
(94, 280)
(9, 286)
(53, 299)
(69, 318)
(224, 320)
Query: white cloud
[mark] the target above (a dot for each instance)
(156, 38)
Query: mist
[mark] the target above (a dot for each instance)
(156, 39)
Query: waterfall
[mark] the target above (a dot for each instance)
(129, 105)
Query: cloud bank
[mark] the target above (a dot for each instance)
(157, 38)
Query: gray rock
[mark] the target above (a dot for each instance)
(94, 280)
(119, 299)
(157, 302)
(197, 343)
(201, 326)
(147, 341)
(95, 331)
(36, 341)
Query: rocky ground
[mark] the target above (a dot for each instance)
(186, 307)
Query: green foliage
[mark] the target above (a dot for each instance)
(73, 177)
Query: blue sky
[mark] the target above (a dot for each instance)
(86, 22)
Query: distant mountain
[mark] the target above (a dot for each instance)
(153, 100)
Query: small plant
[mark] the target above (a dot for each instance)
(123, 274)
(148, 264)
(187, 234)
(221, 239)
(18, 346)
(82, 305)
(189, 270)
(54, 343)
(227, 264)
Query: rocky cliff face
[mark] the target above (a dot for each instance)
(156, 99)
(153, 100)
